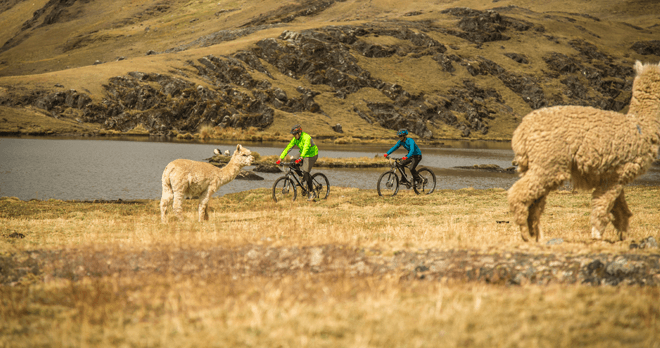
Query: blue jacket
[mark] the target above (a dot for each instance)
(409, 145)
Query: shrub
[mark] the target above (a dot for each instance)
(206, 132)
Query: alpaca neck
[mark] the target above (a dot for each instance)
(645, 101)
(232, 168)
(645, 112)
(644, 108)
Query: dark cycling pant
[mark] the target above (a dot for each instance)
(414, 161)
(308, 163)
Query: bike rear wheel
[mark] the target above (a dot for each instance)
(388, 184)
(427, 186)
(321, 185)
(284, 189)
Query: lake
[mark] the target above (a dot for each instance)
(89, 169)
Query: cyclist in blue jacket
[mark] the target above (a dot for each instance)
(414, 155)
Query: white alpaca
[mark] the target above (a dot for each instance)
(186, 178)
(596, 149)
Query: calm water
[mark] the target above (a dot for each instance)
(116, 169)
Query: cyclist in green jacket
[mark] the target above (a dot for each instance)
(309, 153)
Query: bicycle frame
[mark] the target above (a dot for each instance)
(293, 175)
(396, 165)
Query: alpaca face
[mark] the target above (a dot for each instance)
(244, 156)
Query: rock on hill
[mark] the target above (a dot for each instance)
(453, 69)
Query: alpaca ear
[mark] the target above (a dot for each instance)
(238, 147)
(638, 66)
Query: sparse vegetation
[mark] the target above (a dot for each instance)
(184, 136)
(346, 140)
(206, 132)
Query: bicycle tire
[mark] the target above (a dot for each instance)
(284, 189)
(428, 186)
(388, 184)
(321, 185)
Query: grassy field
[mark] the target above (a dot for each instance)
(302, 274)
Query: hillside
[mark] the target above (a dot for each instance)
(355, 68)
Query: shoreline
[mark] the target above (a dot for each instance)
(152, 200)
(211, 141)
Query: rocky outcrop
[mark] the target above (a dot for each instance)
(248, 175)
(505, 268)
(647, 47)
(486, 26)
(162, 103)
(601, 84)
(241, 92)
(267, 168)
(489, 168)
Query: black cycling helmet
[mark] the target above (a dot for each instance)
(296, 129)
(402, 132)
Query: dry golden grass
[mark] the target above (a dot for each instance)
(446, 219)
(92, 292)
(26, 121)
(352, 162)
(309, 311)
(207, 133)
(346, 140)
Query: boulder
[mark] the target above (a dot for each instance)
(247, 175)
(267, 168)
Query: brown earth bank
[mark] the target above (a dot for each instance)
(448, 70)
(266, 164)
(508, 268)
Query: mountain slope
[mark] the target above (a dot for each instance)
(446, 69)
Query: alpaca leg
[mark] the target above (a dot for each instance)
(621, 215)
(204, 199)
(527, 198)
(165, 202)
(521, 195)
(534, 219)
(177, 205)
(520, 209)
(603, 200)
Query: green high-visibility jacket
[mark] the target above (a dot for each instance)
(305, 144)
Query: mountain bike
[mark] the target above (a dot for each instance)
(388, 182)
(285, 187)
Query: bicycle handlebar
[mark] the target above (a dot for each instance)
(292, 163)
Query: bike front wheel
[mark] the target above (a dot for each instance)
(321, 185)
(284, 189)
(388, 184)
(427, 186)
